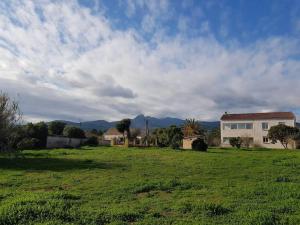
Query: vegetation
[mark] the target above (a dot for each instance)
(236, 142)
(150, 186)
(283, 133)
(56, 128)
(92, 141)
(199, 145)
(167, 137)
(191, 127)
(123, 127)
(73, 132)
(10, 116)
(214, 137)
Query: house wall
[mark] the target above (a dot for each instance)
(111, 137)
(257, 133)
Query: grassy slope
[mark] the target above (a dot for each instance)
(132, 186)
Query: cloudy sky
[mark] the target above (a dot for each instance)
(110, 59)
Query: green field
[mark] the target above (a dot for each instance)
(150, 186)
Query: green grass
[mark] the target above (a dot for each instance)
(150, 186)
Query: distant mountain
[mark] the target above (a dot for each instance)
(140, 122)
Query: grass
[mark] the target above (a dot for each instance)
(150, 186)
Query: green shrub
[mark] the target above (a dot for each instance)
(235, 142)
(199, 145)
(176, 141)
(92, 141)
(27, 143)
(73, 132)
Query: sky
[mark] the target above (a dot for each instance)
(112, 59)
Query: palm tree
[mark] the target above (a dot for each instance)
(191, 127)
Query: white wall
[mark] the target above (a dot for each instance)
(60, 142)
(256, 132)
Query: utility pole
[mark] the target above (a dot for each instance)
(147, 132)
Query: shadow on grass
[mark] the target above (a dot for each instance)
(54, 164)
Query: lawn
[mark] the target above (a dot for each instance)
(150, 186)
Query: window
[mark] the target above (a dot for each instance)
(241, 126)
(233, 126)
(249, 126)
(226, 126)
(226, 140)
(265, 126)
(265, 139)
(283, 123)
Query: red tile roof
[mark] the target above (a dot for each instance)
(259, 116)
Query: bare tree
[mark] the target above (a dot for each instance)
(10, 116)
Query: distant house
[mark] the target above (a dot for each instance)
(112, 133)
(254, 127)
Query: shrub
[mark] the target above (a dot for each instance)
(56, 127)
(235, 142)
(176, 141)
(92, 141)
(73, 132)
(27, 143)
(199, 145)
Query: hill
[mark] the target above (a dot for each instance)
(140, 122)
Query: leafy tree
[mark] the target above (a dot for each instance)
(124, 126)
(283, 133)
(56, 127)
(199, 145)
(38, 131)
(73, 132)
(92, 141)
(176, 141)
(161, 137)
(191, 127)
(170, 136)
(214, 137)
(235, 142)
(10, 116)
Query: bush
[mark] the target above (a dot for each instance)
(92, 141)
(27, 143)
(56, 127)
(176, 141)
(73, 132)
(235, 142)
(199, 145)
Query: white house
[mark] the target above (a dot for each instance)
(254, 126)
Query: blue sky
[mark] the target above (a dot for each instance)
(110, 59)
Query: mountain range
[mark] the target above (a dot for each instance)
(140, 122)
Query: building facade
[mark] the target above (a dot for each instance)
(254, 127)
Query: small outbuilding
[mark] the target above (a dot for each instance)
(188, 141)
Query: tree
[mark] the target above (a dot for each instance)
(38, 131)
(73, 132)
(235, 142)
(199, 145)
(161, 137)
(10, 116)
(214, 137)
(56, 127)
(92, 141)
(175, 142)
(283, 133)
(124, 126)
(191, 127)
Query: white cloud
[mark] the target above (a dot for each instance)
(73, 65)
